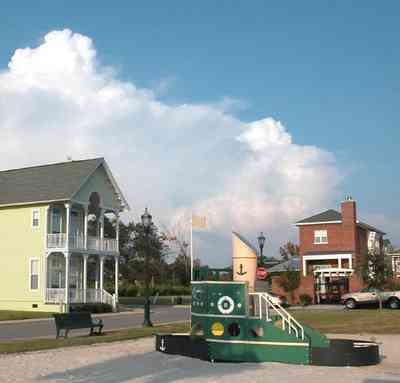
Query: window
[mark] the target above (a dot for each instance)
(34, 274)
(55, 220)
(35, 218)
(320, 236)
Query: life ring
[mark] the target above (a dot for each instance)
(225, 305)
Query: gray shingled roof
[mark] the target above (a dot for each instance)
(326, 216)
(45, 183)
(293, 264)
(333, 215)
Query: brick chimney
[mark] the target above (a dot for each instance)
(349, 224)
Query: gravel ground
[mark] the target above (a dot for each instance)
(136, 361)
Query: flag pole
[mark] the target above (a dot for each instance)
(191, 248)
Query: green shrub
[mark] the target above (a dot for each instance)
(305, 299)
(94, 308)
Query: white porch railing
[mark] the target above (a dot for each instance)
(102, 244)
(265, 302)
(78, 296)
(77, 242)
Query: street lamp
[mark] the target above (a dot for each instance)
(261, 241)
(146, 223)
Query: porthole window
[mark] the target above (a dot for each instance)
(234, 329)
(217, 329)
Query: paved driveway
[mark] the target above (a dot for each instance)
(45, 327)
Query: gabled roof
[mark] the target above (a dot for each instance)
(326, 216)
(46, 183)
(333, 216)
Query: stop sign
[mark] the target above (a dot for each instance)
(262, 273)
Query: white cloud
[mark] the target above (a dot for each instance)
(57, 100)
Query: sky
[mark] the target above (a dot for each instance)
(256, 114)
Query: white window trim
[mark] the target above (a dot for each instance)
(320, 243)
(30, 274)
(35, 210)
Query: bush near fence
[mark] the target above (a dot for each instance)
(136, 291)
(158, 300)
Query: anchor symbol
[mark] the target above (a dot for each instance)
(241, 272)
(162, 347)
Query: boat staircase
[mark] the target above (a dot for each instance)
(266, 307)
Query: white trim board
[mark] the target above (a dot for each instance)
(258, 342)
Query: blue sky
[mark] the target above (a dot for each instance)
(329, 71)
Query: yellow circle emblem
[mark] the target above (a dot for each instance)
(217, 329)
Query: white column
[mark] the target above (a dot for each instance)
(116, 278)
(85, 258)
(101, 277)
(85, 229)
(101, 223)
(340, 262)
(304, 267)
(117, 228)
(67, 257)
(68, 220)
(96, 273)
(350, 262)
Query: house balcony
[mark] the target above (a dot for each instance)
(77, 242)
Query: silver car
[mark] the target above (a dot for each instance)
(371, 295)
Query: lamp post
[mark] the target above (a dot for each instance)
(146, 223)
(261, 241)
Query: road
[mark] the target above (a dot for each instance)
(45, 328)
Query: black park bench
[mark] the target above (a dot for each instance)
(76, 320)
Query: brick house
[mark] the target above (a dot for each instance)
(331, 244)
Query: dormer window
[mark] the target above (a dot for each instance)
(320, 236)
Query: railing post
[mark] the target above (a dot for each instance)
(101, 277)
(116, 278)
(66, 298)
(85, 258)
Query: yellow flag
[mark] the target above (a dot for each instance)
(199, 221)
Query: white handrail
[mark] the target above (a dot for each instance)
(292, 323)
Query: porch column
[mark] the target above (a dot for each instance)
(68, 220)
(340, 262)
(85, 224)
(101, 223)
(96, 273)
(67, 258)
(117, 229)
(304, 267)
(85, 258)
(350, 262)
(116, 278)
(101, 277)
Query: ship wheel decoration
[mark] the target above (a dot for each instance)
(225, 305)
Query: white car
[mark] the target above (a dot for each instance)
(370, 295)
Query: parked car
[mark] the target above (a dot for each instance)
(369, 296)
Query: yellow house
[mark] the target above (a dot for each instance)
(52, 239)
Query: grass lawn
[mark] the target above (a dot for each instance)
(17, 315)
(110, 336)
(351, 321)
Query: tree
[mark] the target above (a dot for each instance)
(375, 270)
(133, 247)
(289, 281)
(289, 250)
